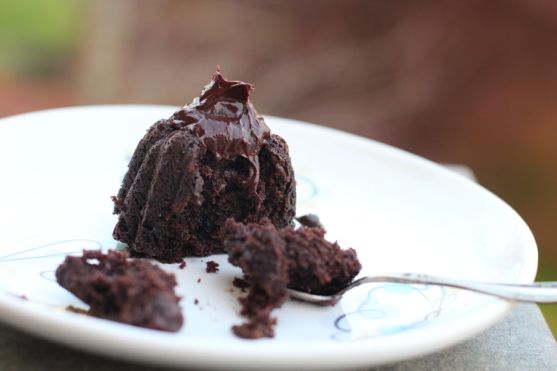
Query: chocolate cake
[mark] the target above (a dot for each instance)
(129, 291)
(276, 259)
(211, 160)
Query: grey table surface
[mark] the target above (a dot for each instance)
(521, 341)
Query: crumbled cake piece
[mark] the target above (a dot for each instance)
(135, 292)
(182, 264)
(316, 265)
(240, 283)
(260, 252)
(261, 324)
(211, 267)
(274, 259)
(213, 159)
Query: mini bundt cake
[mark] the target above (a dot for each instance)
(211, 160)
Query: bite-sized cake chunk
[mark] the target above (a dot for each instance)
(316, 265)
(274, 260)
(260, 252)
(135, 292)
(211, 160)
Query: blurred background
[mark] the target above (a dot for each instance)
(470, 82)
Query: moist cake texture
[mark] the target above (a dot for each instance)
(135, 292)
(211, 160)
(276, 259)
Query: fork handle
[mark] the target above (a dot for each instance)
(537, 292)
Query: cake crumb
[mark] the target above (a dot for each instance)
(196, 301)
(198, 280)
(257, 327)
(212, 267)
(240, 283)
(23, 297)
(182, 264)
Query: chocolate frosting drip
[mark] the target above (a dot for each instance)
(226, 122)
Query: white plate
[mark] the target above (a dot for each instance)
(401, 213)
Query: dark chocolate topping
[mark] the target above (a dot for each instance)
(225, 120)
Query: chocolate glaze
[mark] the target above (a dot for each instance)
(226, 122)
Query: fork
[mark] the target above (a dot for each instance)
(537, 292)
